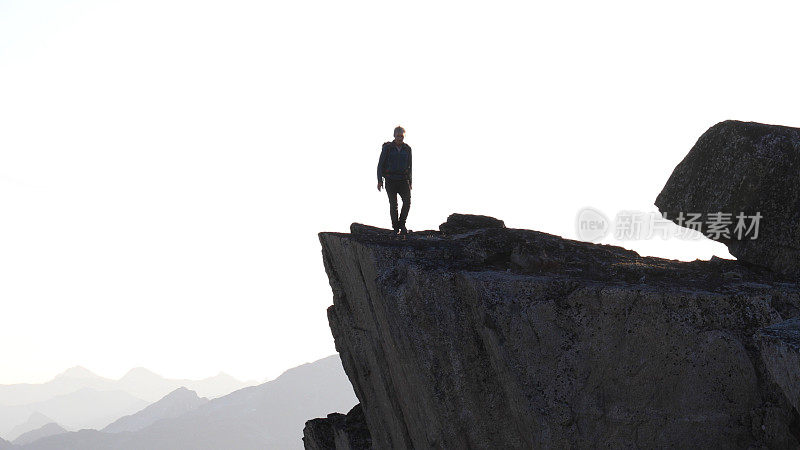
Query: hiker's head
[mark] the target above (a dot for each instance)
(399, 133)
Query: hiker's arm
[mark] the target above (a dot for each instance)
(381, 163)
(409, 167)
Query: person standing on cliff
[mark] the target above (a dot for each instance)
(394, 165)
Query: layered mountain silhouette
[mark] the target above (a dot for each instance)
(175, 403)
(49, 429)
(139, 382)
(270, 415)
(84, 408)
(34, 422)
(98, 401)
(151, 387)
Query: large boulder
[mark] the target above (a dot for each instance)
(509, 338)
(463, 223)
(748, 169)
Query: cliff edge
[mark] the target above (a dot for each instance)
(481, 336)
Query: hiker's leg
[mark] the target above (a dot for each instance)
(391, 191)
(405, 194)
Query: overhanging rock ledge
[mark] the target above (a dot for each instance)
(489, 337)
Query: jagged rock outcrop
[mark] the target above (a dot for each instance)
(508, 338)
(460, 223)
(743, 168)
(338, 432)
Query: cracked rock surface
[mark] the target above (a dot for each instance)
(481, 336)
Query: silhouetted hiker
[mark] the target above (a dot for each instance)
(395, 166)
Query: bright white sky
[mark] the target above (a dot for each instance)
(165, 165)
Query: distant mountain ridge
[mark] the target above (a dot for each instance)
(35, 421)
(138, 381)
(77, 372)
(270, 415)
(139, 385)
(174, 404)
(83, 408)
(49, 429)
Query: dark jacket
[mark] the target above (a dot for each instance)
(394, 163)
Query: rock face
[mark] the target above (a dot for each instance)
(744, 167)
(338, 432)
(489, 337)
(780, 350)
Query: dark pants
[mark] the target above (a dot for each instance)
(394, 187)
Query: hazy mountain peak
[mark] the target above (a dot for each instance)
(177, 402)
(48, 429)
(181, 392)
(140, 373)
(77, 372)
(223, 375)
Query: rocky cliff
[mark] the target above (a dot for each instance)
(489, 337)
(481, 336)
